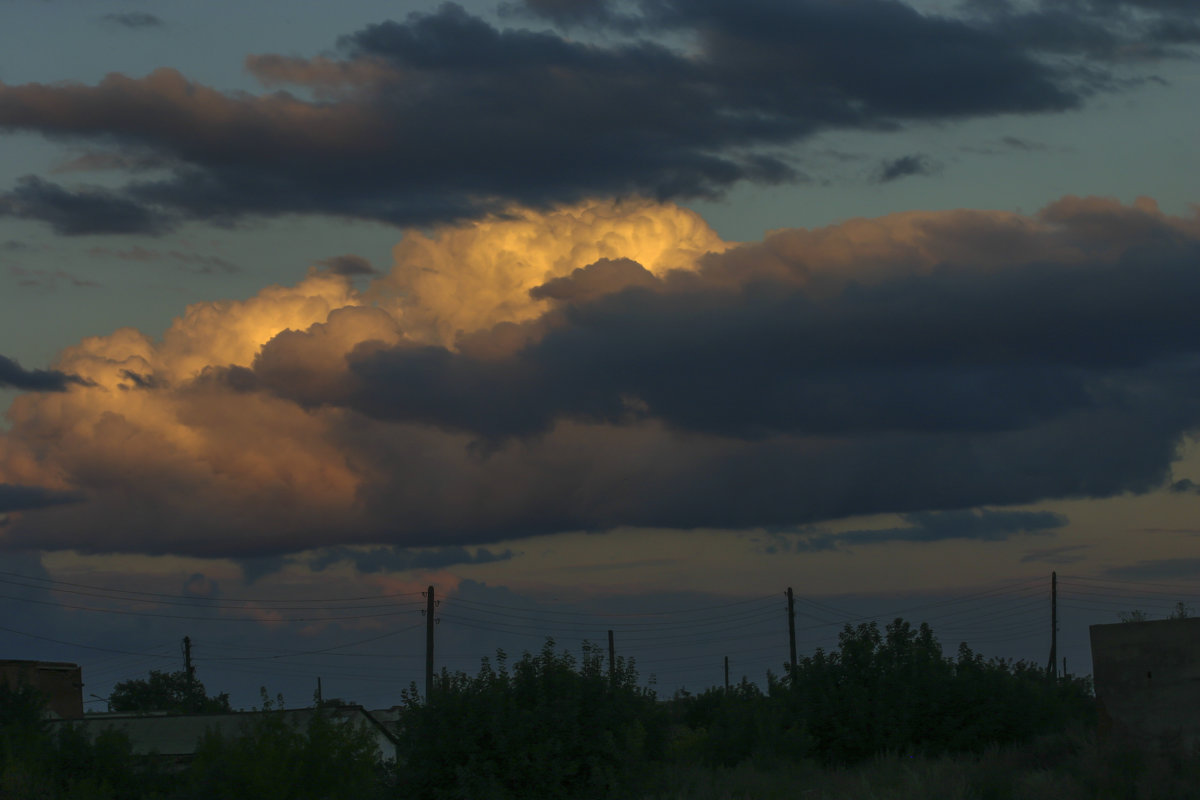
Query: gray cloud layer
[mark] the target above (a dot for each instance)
(443, 116)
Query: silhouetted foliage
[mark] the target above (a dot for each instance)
(273, 759)
(889, 691)
(38, 762)
(550, 727)
(170, 692)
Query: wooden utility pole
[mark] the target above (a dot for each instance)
(1052, 669)
(612, 660)
(189, 672)
(320, 696)
(726, 674)
(429, 644)
(188, 669)
(791, 637)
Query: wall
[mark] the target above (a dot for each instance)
(60, 681)
(1147, 678)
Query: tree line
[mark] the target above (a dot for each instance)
(553, 725)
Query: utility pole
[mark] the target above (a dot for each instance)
(320, 696)
(429, 604)
(612, 660)
(791, 637)
(189, 672)
(726, 674)
(1052, 669)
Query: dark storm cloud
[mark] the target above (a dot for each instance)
(97, 161)
(14, 497)
(568, 13)
(903, 167)
(133, 19)
(348, 264)
(13, 376)
(949, 351)
(444, 116)
(1101, 30)
(79, 212)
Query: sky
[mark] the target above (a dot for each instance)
(593, 315)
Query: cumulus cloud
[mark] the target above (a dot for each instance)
(616, 364)
(388, 126)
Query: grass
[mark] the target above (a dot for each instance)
(1070, 766)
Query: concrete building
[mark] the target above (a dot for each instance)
(61, 682)
(1147, 677)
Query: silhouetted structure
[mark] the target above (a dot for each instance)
(60, 681)
(1147, 677)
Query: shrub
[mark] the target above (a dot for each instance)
(550, 727)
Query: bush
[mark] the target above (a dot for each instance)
(549, 728)
(273, 759)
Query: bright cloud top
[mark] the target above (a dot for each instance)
(616, 363)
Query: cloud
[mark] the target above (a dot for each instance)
(982, 524)
(12, 375)
(388, 127)
(47, 279)
(14, 497)
(391, 559)
(1112, 31)
(97, 161)
(617, 364)
(133, 19)
(348, 264)
(570, 13)
(88, 210)
(903, 167)
(196, 263)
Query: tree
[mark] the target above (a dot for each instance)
(171, 692)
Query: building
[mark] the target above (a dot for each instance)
(1147, 677)
(61, 682)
